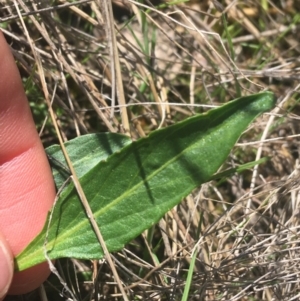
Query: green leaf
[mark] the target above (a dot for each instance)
(231, 171)
(85, 152)
(135, 186)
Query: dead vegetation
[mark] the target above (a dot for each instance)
(151, 65)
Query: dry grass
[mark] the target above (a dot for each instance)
(175, 60)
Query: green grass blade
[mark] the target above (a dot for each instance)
(189, 278)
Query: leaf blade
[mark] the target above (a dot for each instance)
(85, 152)
(134, 187)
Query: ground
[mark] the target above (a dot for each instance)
(146, 66)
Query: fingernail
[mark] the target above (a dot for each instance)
(6, 268)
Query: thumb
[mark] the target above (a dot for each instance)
(6, 267)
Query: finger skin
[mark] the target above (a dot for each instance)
(27, 190)
(6, 266)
